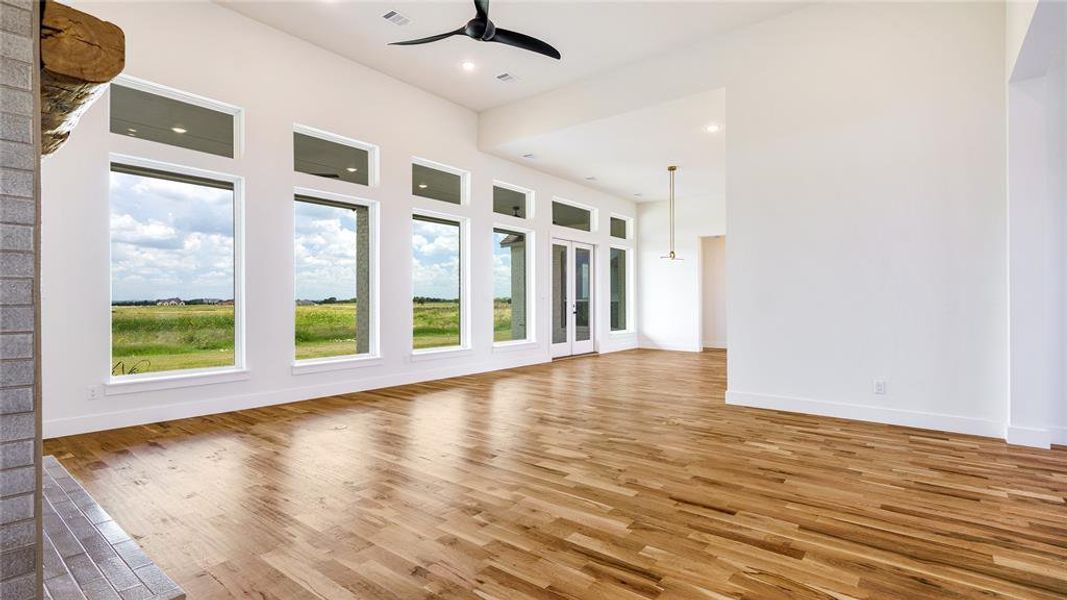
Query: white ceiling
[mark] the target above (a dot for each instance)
(592, 36)
(629, 153)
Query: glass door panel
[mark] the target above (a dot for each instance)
(560, 309)
(583, 264)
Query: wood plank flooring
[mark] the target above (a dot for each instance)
(622, 476)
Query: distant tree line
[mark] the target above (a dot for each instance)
(428, 300)
(191, 302)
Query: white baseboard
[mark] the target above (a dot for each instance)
(53, 428)
(718, 344)
(1028, 436)
(877, 414)
(651, 345)
(1059, 436)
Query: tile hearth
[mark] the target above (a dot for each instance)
(87, 555)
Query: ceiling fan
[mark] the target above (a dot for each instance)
(482, 29)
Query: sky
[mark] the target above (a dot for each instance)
(170, 239)
(173, 239)
(324, 252)
(435, 260)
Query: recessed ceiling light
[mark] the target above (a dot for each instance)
(423, 186)
(638, 194)
(590, 178)
(712, 128)
(178, 129)
(468, 66)
(528, 156)
(351, 169)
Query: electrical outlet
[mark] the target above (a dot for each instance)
(879, 387)
(94, 392)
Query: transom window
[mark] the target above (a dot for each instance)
(618, 228)
(438, 182)
(568, 215)
(153, 113)
(333, 157)
(174, 274)
(510, 201)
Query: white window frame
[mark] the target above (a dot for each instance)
(159, 89)
(372, 150)
(464, 346)
(631, 289)
(187, 377)
(594, 215)
(373, 356)
(531, 285)
(530, 200)
(464, 182)
(629, 221)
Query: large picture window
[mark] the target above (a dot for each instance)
(173, 272)
(436, 283)
(332, 278)
(509, 285)
(617, 269)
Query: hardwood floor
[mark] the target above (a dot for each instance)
(622, 476)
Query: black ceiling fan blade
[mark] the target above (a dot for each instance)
(482, 6)
(521, 40)
(427, 40)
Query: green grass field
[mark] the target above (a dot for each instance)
(148, 339)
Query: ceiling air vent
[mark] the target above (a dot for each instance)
(506, 77)
(396, 18)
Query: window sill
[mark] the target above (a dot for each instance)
(622, 333)
(515, 346)
(133, 384)
(322, 365)
(436, 353)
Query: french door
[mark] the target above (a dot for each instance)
(572, 298)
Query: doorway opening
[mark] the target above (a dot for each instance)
(713, 292)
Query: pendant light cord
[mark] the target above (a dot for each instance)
(671, 169)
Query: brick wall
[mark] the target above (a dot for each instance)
(20, 457)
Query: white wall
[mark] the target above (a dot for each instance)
(1037, 163)
(865, 206)
(208, 50)
(713, 291)
(670, 306)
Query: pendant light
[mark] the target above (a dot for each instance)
(671, 255)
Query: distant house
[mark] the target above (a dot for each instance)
(170, 302)
(226, 303)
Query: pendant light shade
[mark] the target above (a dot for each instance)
(671, 254)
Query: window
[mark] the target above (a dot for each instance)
(618, 228)
(437, 183)
(617, 270)
(436, 284)
(509, 285)
(566, 215)
(325, 155)
(333, 278)
(173, 272)
(509, 201)
(172, 118)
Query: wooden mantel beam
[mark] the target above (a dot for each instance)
(80, 54)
